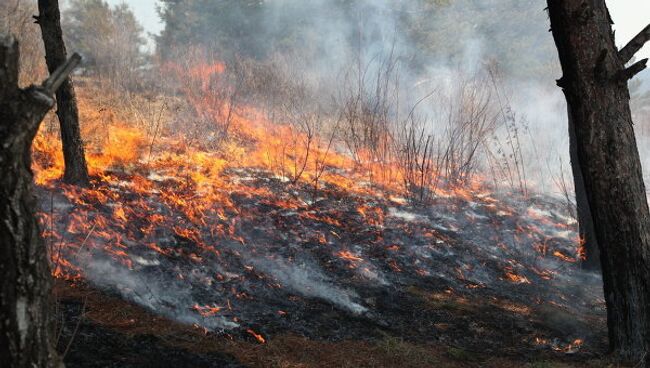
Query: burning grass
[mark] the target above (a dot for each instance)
(262, 232)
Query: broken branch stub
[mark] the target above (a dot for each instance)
(59, 76)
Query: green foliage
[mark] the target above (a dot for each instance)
(512, 33)
(221, 25)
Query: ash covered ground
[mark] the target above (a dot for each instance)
(483, 272)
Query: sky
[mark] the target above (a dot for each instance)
(630, 16)
(145, 11)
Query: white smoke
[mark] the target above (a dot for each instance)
(163, 295)
(307, 279)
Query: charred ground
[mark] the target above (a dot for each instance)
(178, 252)
(466, 275)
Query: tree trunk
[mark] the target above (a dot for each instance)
(25, 336)
(49, 18)
(591, 255)
(595, 86)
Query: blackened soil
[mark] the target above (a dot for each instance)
(93, 345)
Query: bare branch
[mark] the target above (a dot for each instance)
(633, 70)
(635, 45)
(57, 78)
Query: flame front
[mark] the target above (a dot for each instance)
(224, 205)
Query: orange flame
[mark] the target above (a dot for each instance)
(257, 336)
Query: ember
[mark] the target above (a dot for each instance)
(207, 311)
(257, 336)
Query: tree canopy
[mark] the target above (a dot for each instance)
(110, 38)
(444, 31)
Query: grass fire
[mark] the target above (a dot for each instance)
(323, 184)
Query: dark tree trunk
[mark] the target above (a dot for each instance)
(49, 18)
(591, 255)
(595, 85)
(25, 336)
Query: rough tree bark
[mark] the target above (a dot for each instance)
(49, 19)
(591, 255)
(25, 336)
(595, 86)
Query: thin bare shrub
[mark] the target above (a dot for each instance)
(469, 117)
(418, 157)
(16, 19)
(369, 104)
(325, 147)
(308, 138)
(303, 133)
(505, 151)
(566, 190)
